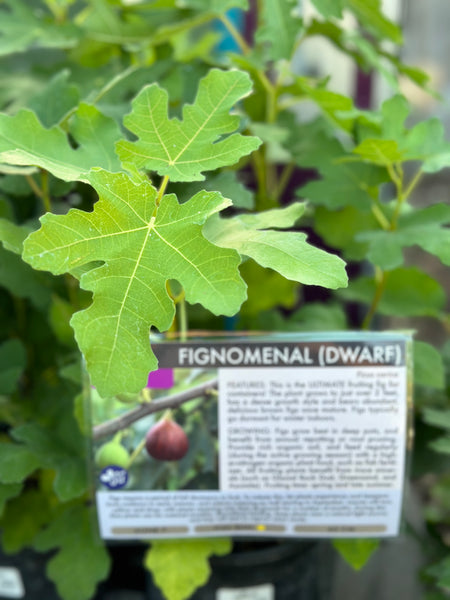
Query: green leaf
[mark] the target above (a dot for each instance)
(281, 25)
(142, 246)
(16, 462)
(356, 552)
(329, 8)
(8, 491)
(21, 280)
(368, 12)
(24, 141)
(379, 152)
(182, 150)
(13, 359)
(346, 184)
(225, 182)
(22, 27)
(56, 100)
(12, 235)
(441, 445)
(319, 317)
(56, 450)
(23, 518)
(428, 365)
(179, 567)
(427, 228)
(339, 228)
(436, 417)
(266, 289)
(82, 560)
(286, 252)
(408, 292)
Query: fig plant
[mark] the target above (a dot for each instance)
(144, 169)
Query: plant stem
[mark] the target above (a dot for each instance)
(133, 415)
(136, 453)
(379, 291)
(183, 318)
(283, 181)
(235, 34)
(45, 191)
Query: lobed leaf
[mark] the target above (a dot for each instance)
(427, 228)
(13, 359)
(182, 150)
(24, 141)
(286, 252)
(179, 567)
(356, 552)
(129, 247)
(428, 365)
(408, 292)
(281, 25)
(82, 560)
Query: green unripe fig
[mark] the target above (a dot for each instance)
(112, 453)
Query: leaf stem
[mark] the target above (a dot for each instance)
(183, 318)
(162, 189)
(136, 453)
(235, 34)
(381, 281)
(283, 181)
(45, 191)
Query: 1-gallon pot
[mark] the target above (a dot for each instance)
(288, 570)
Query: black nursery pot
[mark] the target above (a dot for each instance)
(287, 570)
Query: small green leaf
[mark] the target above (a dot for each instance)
(12, 363)
(436, 417)
(24, 141)
(356, 552)
(142, 245)
(368, 13)
(179, 567)
(23, 518)
(345, 184)
(8, 491)
(329, 8)
(427, 228)
(182, 150)
(16, 462)
(441, 445)
(21, 280)
(286, 252)
(12, 236)
(379, 152)
(281, 25)
(82, 560)
(428, 365)
(21, 27)
(54, 450)
(339, 228)
(266, 289)
(225, 182)
(58, 97)
(408, 292)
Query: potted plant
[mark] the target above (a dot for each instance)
(144, 170)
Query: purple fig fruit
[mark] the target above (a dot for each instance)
(166, 441)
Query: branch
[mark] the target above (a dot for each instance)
(148, 408)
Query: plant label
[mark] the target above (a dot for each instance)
(279, 435)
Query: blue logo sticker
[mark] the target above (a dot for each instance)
(114, 477)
